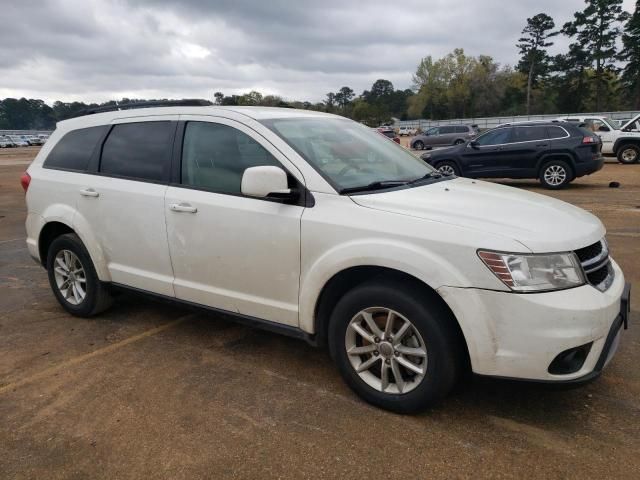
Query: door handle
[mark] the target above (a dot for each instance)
(542, 145)
(89, 192)
(183, 207)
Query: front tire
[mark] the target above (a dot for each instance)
(448, 168)
(418, 145)
(73, 278)
(628, 154)
(395, 345)
(555, 175)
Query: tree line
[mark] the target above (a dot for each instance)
(600, 71)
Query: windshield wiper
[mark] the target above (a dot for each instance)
(426, 177)
(379, 185)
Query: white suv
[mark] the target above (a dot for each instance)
(315, 226)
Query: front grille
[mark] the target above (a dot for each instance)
(596, 264)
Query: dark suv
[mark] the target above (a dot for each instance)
(553, 152)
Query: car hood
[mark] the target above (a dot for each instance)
(539, 222)
(630, 122)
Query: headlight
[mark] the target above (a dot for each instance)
(535, 273)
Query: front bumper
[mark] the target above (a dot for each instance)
(519, 335)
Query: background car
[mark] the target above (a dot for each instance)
(409, 131)
(18, 141)
(443, 136)
(6, 142)
(33, 140)
(554, 152)
(623, 141)
(389, 133)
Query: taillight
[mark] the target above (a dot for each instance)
(25, 180)
(396, 139)
(588, 140)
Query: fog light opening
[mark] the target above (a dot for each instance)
(570, 361)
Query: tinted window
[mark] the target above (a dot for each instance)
(556, 132)
(462, 129)
(495, 137)
(138, 150)
(447, 130)
(74, 150)
(433, 131)
(215, 156)
(529, 134)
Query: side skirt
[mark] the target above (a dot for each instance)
(240, 318)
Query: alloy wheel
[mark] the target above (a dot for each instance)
(555, 175)
(446, 170)
(70, 277)
(386, 350)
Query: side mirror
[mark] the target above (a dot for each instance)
(474, 144)
(266, 182)
(604, 128)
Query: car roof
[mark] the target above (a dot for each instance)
(256, 113)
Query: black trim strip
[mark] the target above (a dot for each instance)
(248, 320)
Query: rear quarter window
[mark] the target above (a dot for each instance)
(74, 150)
(556, 132)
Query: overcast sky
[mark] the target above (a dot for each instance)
(96, 50)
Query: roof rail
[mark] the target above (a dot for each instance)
(188, 102)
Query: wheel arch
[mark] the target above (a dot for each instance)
(565, 157)
(621, 142)
(345, 280)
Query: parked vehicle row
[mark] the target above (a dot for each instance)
(555, 153)
(8, 141)
(313, 225)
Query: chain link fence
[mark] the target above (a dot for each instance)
(485, 123)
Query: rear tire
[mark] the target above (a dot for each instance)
(555, 175)
(628, 154)
(458, 142)
(73, 278)
(418, 145)
(411, 383)
(448, 167)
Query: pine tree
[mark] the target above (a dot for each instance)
(535, 60)
(596, 29)
(631, 54)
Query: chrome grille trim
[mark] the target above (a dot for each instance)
(593, 267)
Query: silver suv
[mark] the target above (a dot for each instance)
(444, 136)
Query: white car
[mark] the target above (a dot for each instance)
(623, 141)
(18, 141)
(317, 227)
(407, 131)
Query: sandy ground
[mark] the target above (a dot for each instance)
(150, 390)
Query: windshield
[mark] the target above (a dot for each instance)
(347, 154)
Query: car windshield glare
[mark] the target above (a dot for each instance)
(348, 154)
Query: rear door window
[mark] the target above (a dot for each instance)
(529, 134)
(462, 129)
(74, 150)
(139, 151)
(556, 132)
(499, 136)
(447, 130)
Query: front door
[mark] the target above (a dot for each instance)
(485, 156)
(229, 251)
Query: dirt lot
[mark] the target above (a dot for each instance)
(150, 390)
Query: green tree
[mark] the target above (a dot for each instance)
(218, 96)
(596, 30)
(344, 96)
(631, 54)
(532, 45)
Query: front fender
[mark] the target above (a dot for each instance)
(404, 257)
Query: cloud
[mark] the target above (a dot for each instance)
(96, 50)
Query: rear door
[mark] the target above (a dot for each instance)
(447, 135)
(519, 156)
(229, 251)
(122, 204)
(484, 157)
